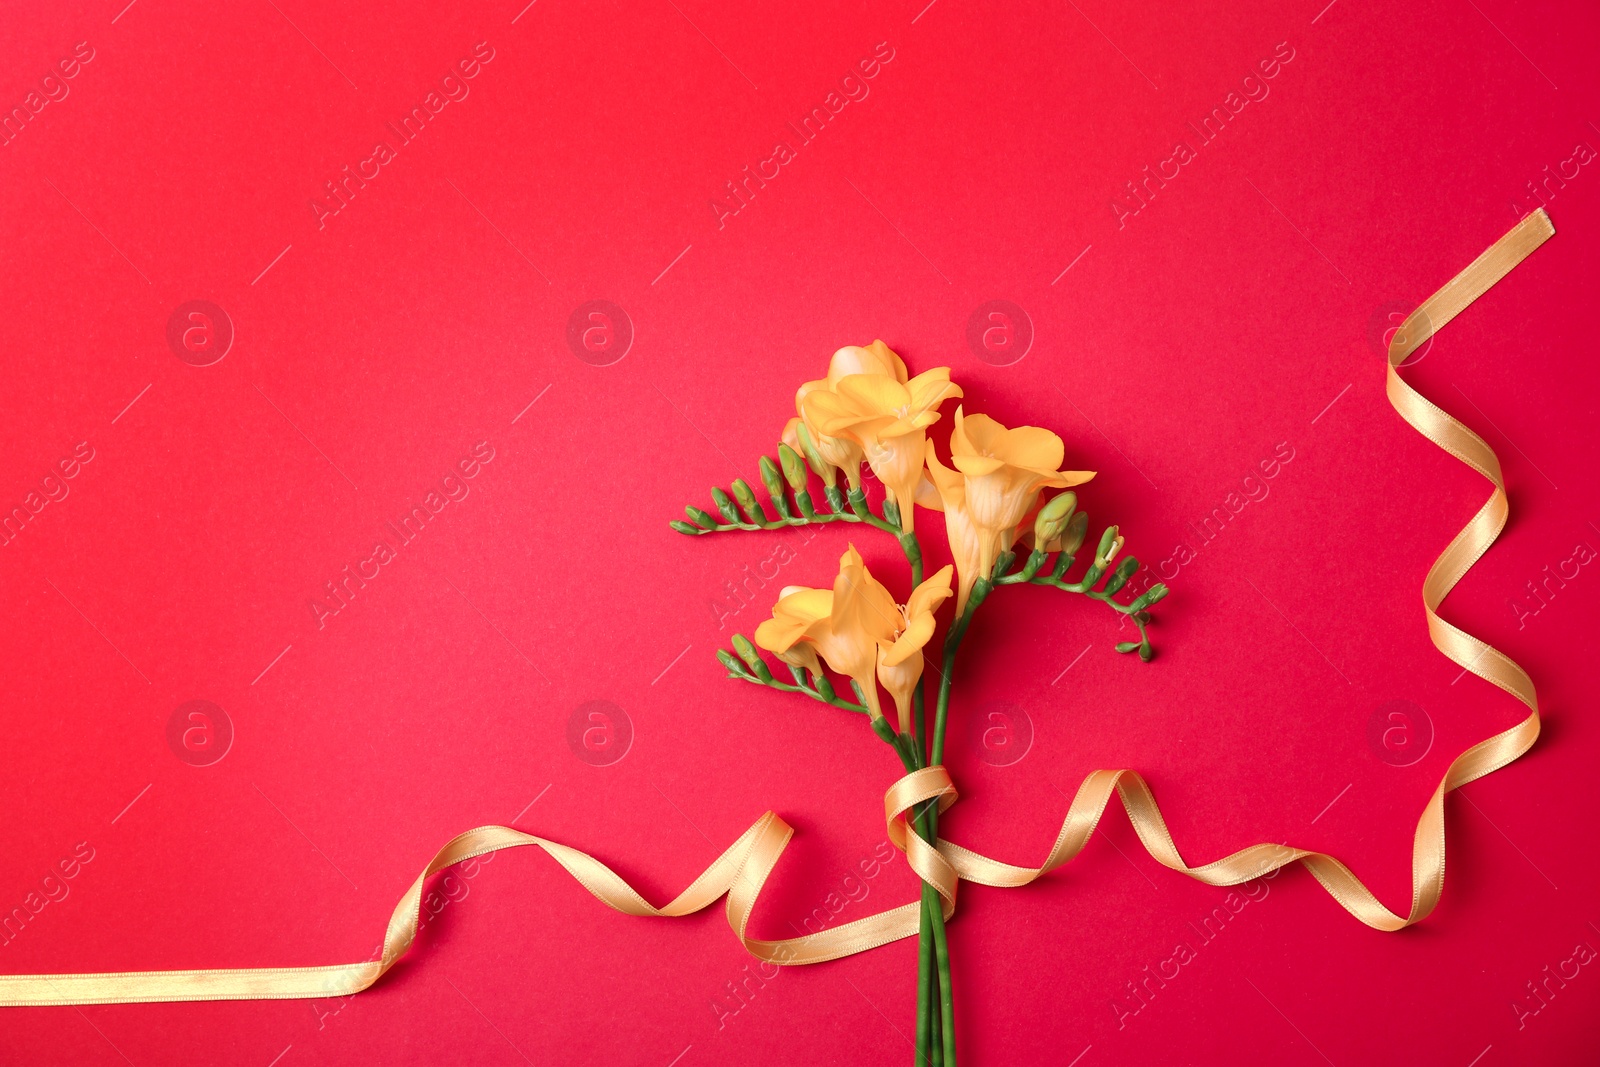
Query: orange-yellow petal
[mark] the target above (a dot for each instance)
(876, 358)
(910, 643)
(926, 598)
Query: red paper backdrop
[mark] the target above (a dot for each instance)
(1175, 348)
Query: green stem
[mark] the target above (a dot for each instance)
(932, 975)
(947, 1015)
(913, 551)
(925, 992)
(1137, 609)
(958, 630)
(930, 820)
(773, 683)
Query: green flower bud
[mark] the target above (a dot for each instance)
(747, 500)
(699, 517)
(1127, 646)
(794, 468)
(775, 487)
(1108, 545)
(748, 653)
(1053, 518)
(1120, 576)
(824, 470)
(771, 478)
(1077, 529)
(725, 506)
(1150, 596)
(730, 661)
(685, 528)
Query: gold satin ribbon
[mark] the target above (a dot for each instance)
(741, 871)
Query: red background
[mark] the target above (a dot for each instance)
(1228, 315)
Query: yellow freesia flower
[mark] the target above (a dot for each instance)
(882, 411)
(796, 610)
(842, 453)
(900, 660)
(844, 625)
(1004, 471)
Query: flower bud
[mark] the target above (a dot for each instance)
(725, 506)
(771, 478)
(685, 528)
(1109, 543)
(775, 487)
(747, 500)
(1053, 519)
(699, 516)
(731, 662)
(1150, 596)
(748, 653)
(794, 468)
(824, 470)
(1077, 529)
(1120, 576)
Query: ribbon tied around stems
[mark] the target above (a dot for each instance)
(742, 870)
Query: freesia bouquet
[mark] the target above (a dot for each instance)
(869, 411)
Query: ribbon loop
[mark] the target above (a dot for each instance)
(928, 863)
